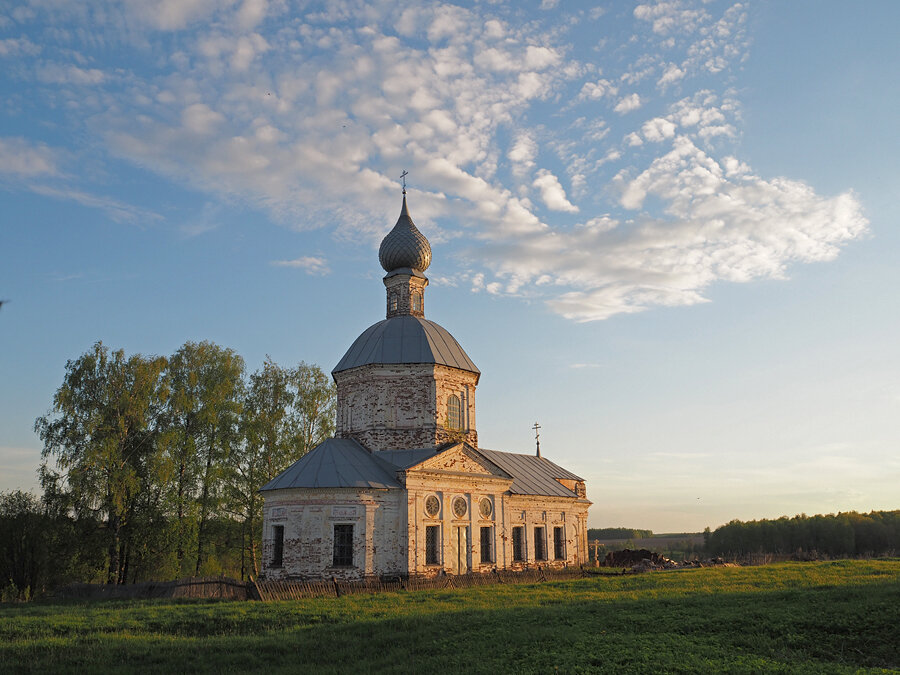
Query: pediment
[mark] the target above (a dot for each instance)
(460, 459)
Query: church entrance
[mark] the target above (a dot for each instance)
(459, 549)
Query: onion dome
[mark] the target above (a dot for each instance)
(404, 246)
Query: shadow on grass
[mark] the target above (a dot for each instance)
(814, 629)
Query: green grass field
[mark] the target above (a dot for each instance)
(828, 617)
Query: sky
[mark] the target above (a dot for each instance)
(666, 231)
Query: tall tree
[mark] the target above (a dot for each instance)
(99, 434)
(286, 413)
(205, 405)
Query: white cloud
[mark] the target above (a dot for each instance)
(628, 104)
(312, 265)
(522, 154)
(597, 90)
(55, 73)
(20, 158)
(671, 75)
(552, 192)
(312, 120)
(658, 129)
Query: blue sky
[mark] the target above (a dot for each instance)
(667, 232)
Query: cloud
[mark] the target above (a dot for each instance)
(23, 159)
(522, 154)
(552, 192)
(117, 210)
(628, 104)
(310, 119)
(312, 265)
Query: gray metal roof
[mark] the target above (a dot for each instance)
(532, 475)
(336, 462)
(405, 339)
(342, 462)
(403, 459)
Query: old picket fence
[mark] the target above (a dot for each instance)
(232, 589)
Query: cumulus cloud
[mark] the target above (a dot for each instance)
(552, 192)
(628, 103)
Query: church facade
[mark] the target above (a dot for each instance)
(403, 488)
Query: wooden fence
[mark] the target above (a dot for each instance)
(232, 589)
(295, 590)
(194, 587)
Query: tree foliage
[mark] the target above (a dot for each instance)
(618, 533)
(833, 535)
(152, 465)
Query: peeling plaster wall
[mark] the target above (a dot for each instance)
(309, 516)
(392, 407)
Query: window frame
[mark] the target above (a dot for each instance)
(277, 546)
(540, 542)
(342, 551)
(559, 543)
(454, 407)
(518, 543)
(433, 548)
(487, 544)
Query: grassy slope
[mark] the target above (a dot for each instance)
(792, 617)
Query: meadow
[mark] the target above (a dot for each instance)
(822, 617)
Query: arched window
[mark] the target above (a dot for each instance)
(417, 302)
(454, 412)
(394, 302)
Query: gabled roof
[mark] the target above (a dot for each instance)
(336, 462)
(405, 339)
(532, 475)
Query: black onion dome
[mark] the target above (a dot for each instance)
(404, 246)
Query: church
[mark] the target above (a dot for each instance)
(403, 488)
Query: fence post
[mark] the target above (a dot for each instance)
(337, 589)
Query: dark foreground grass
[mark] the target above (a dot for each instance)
(836, 617)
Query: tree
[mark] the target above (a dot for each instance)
(100, 433)
(286, 412)
(23, 556)
(204, 410)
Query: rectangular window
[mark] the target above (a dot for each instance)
(518, 544)
(277, 545)
(343, 546)
(432, 544)
(487, 540)
(539, 551)
(559, 543)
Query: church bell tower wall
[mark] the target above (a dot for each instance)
(398, 406)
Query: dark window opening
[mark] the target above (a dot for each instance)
(432, 545)
(277, 545)
(539, 552)
(559, 543)
(487, 553)
(343, 546)
(518, 544)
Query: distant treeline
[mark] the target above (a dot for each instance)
(152, 467)
(834, 535)
(618, 533)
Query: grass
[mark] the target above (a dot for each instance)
(830, 617)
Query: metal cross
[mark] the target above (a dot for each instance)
(537, 437)
(403, 178)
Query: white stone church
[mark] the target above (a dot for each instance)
(403, 489)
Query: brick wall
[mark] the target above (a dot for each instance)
(391, 407)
